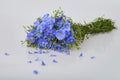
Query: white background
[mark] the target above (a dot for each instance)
(105, 47)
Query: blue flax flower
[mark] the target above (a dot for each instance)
(46, 29)
(50, 22)
(31, 36)
(67, 26)
(45, 17)
(41, 27)
(69, 33)
(60, 34)
(37, 33)
(59, 48)
(43, 43)
(59, 21)
(51, 34)
(50, 45)
(70, 40)
(36, 23)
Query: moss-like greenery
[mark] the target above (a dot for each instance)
(100, 25)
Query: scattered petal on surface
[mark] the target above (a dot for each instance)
(35, 52)
(92, 57)
(6, 54)
(37, 59)
(43, 63)
(81, 54)
(29, 52)
(29, 61)
(35, 72)
(67, 52)
(55, 61)
(40, 51)
(53, 55)
(45, 52)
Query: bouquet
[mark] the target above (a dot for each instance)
(58, 32)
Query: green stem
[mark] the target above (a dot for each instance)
(100, 25)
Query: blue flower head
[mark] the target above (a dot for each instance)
(49, 25)
(60, 34)
(51, 34)
(59, 21)
(45, 17)
(70, 40)
(59, 48)
(50, 22)
(31, 36)
(49, 44)
(41, 27)
(36, 23)
(69, 33)
(67, 26)
(43, 43)
(46, 29)
(52, 47)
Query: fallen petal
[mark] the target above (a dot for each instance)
(29, 61)
(35, 72)
(81, 54)
(6, 54)
(92, 57)
(43, 63)
(37, 59)
(35, 52)
(55, 61)
(53, 55)
(29, 52)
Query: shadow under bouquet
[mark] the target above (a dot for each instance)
(58, 32)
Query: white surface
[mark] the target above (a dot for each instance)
(105, 47)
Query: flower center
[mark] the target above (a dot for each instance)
(46, 18)
(50, 34)
(46, 29)
(67, 26)
(61, 33)
(41, 27)
(58, 22)
(43, 42)
(71, 40)
(50, 23)
(32, 38)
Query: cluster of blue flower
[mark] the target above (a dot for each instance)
(52, 33)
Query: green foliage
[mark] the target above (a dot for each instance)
(28, 28)
(100, 25)
(57, 13)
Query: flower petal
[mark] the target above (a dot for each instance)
(35, 72)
